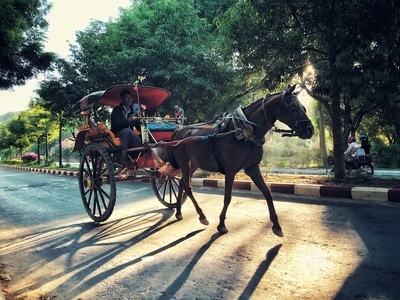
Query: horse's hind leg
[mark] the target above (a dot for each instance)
(229, 177)
(255, 175)
(178, 214)
(185, 185)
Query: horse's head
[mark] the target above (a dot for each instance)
(293, 114)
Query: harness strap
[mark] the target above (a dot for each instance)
(244, 128)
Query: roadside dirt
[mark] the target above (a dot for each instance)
(318, 179)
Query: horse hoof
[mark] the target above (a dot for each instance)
(222, 230)
(179, 217)
(204, 221)
(277, 231)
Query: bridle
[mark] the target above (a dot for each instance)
(286, 132)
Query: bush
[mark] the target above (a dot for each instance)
(29, 158)
(387, 156)
(13, 161)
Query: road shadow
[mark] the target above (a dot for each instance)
(70, 239)
(377, 276)
(176, 285)
(259, 273)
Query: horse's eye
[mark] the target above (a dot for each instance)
(305, 110)
(293, 106)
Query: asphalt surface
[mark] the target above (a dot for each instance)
(335, 191)
(334, 249)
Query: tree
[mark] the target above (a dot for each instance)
(6, 139)
(57, 99)
(59, 93)
(211, 9)
(158, 43)
(42, 125)
(20, 135)
(344, 41)
(22, 34)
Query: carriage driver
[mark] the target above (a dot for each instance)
(123, 120)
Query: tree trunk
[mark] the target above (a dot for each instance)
(38, 150)
(339, 162)
(60, 143)
(47, 145)
(322, 138)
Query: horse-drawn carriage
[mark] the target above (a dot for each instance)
(100, 166)
(226, 145)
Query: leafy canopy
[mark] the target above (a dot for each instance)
(158, 43)
(22, 35)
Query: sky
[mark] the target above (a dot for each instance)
(65, 18)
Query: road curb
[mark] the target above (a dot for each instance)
(357, 193)
(336, 191)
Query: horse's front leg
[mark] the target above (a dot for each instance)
(255, 175)
(229, 177)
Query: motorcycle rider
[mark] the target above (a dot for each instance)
(365, 144)
(350, 152)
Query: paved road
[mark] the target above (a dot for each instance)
(331, 249)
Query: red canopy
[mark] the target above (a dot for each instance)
(150, 96)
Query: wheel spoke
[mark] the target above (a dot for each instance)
(96, 204)
(166, 189)
(97, 182)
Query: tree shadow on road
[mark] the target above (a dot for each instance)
(260, 272)
(175, 286)
(74, 239)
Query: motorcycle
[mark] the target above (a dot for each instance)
(365, 165)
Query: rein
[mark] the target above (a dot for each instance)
(243, 128)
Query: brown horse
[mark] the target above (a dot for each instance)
(235, 143)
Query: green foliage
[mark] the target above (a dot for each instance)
(13, 161)
(212, 55)
(17, 129)
(292, 152)
(387, 156)
(162, 43)
(6, 117)
(22, 39)
(211, 9)
(351, 45)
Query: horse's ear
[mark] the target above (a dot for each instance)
(291, 89)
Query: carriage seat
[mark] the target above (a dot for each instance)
(161, 131)
(105, 136)
(99, 134)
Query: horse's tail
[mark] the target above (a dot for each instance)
(171, 158)
(165, 153)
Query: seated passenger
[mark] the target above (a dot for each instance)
(123, 120)
(350, 153)
(179, 114)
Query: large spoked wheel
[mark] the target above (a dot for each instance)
(166, 189)
(97, 182)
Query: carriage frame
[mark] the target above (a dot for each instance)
(100, 150)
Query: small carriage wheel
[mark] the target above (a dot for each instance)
(166, 189)
(97, 182)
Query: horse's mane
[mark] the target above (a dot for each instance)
(218, 117)
(267, 97)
